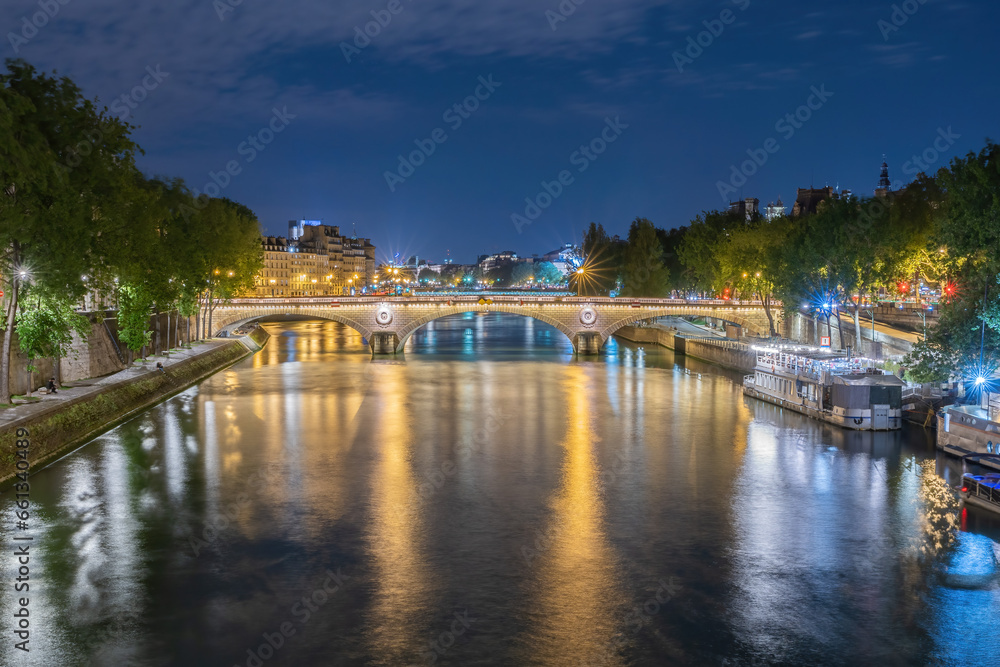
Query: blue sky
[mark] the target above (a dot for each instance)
(554, 86)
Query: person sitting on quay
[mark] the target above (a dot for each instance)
(51, 386)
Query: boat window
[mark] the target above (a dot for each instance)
(989, 447)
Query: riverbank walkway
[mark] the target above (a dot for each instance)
(25, 409)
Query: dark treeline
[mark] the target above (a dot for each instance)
(78, 218)
(943, 230)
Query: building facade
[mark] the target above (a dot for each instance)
(315, 260)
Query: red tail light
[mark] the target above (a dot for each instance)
(965, 489)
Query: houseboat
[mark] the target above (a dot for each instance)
(851, 393)
(972, 432)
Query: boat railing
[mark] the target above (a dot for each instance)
(749, 380)
(770, 364)
(982, 490)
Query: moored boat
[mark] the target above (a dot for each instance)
(848, 392)
(981, 491)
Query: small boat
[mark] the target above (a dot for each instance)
(981, 491)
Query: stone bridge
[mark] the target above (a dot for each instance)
(387, 322)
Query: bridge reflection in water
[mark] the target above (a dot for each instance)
(514, 505)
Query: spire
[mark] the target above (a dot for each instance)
(883, 182)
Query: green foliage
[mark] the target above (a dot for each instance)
(971, 226)
(45, 326)
(546, 273)
(965, 245)
(134, 304)
(645, 274)
(698, 251)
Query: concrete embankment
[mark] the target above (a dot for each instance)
(722, 352)
(53, 427)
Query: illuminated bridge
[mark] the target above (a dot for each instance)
(386, 322)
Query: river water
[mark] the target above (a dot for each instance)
(489, 499)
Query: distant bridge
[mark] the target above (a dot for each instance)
(387, 322)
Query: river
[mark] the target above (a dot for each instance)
(489, 499)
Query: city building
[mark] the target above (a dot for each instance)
(495, 261)
(807, 200)
(746, 208)
(774, 210)
(315, 260)
(565, 259)
(275, 278)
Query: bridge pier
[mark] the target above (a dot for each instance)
(383, 342)
(587, 343)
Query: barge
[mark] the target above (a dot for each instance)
(972, 431)
(851, 393)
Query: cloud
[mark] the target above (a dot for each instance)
(898, 55)
(229, 63)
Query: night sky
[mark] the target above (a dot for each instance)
(555, 81)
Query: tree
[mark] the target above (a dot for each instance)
(45, 327)
(428, 276)
(966, 339)
(698, 251)
(644, 272)
(135, 302)
(601, 264)
(62, 163)
(749, 260)
(521, 273)
(225, 254)
(670, 241)
(546, 273)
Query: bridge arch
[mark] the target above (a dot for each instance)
(231, 319)
(405, 332)
(746, 323)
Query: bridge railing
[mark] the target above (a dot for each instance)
(474, 298)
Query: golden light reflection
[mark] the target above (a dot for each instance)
(399, 576)
(580, 610)
(938, 516)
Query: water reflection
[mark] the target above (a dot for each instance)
(574, 576)
(425, 479)
(400, 595)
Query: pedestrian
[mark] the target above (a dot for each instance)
(159, 366)
(51, 387)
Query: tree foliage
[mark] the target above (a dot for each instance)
(645, 274)
(76, 215)
(46, 324)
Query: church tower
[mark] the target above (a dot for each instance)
(884, 184)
